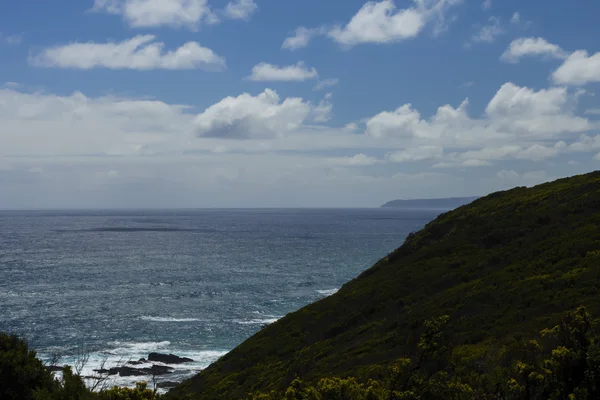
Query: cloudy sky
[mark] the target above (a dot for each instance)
(285, 103)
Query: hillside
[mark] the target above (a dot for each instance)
(443, 204)
(502, 268)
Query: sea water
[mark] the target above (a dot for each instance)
(117, 285)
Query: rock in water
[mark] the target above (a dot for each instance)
(168, 358)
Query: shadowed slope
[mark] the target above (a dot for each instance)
(501, 267)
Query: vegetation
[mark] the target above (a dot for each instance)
(453, 313)
(24, 377)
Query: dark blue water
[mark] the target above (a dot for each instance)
(197, 283)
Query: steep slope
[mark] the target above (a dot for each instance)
(501, 267)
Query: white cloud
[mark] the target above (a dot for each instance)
(322, 112)
(489, 32)
(518, 120)
(585, 143)
(415, 154)
(406, 122)
(240, 9)
(158, 147)
(267, 72)
(578, 69)
(39, 124)
(547, 112)
(141, 52)
(301, 38)
(325, 83)
(379, 22)
(487, 4)
(247, 116)
(153, 13)
(358, 160)
(532, 47)
(516, 18)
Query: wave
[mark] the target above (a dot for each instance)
(327, 292)
(168, 319)
(120, 353)
(256, 321)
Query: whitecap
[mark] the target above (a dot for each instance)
(168, 319)
(327, 292)
(131, 351)
(256, 321)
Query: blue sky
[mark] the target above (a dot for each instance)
(264, 103)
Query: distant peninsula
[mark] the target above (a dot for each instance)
(449, 203)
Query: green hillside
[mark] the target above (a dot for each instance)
(502, 268)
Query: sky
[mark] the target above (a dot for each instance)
(288, 103)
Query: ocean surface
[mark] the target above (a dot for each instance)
(120, 284)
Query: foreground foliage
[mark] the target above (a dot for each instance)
(501, 268)
(562, 363)
(24, 377)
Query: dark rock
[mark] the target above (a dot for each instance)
(54, 368)
(141, 361)
(128, 371)
(168, 358)
(166, 385)
(102, 371)
(159, 370)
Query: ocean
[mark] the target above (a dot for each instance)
(117, 285)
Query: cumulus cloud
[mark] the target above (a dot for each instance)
(532, 46)
(247, 116)
(522, 123)
(379, 22)
(382, 22)
(301, 38)
(406, 122)
(153, 13)
(578, 69)
(160, 144)
(541, 113)
(240, 9)
(141, 52)
(267, 72)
